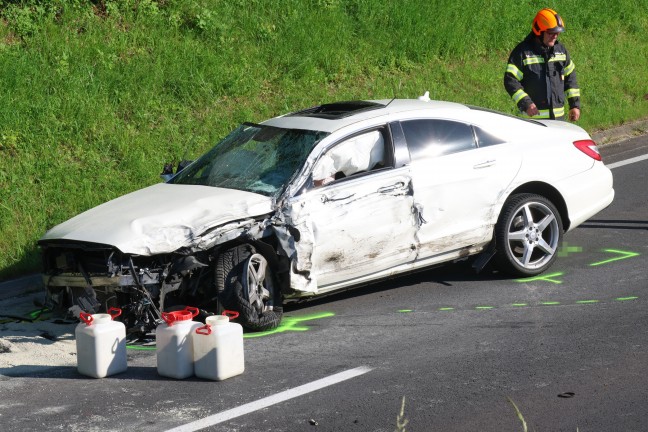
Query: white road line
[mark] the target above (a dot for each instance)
(271, 400)
(627, 161)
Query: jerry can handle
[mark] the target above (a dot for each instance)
(86, 318)
(194, 310)
(114, 312)
(168, 318)
(204, 330)
(231, 314)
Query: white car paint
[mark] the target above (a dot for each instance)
(460, 213)
(161, 218)
(587, 193)
(460, 194)
(357, 227)
(371, 225)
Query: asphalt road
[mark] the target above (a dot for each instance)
(441, 350)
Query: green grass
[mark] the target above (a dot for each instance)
(97, 95)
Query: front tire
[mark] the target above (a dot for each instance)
(527, 235)
(246, 283)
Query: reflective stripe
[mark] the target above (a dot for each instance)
(513, 70)
(532, 60)
(558, 57)
(546, 114)
(570, 68)
(572, 93)
(519, 95)
(542, 114)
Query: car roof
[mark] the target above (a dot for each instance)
(334, 116)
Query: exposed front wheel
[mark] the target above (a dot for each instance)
(527, 235)
(246, 283)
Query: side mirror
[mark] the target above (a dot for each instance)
(182, 165)
(167, 172)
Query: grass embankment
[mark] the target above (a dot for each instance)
(96, 96)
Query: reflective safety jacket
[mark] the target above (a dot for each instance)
(542, 75)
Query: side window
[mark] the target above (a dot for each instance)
(485, 139)
(354, 155)
(430, 138)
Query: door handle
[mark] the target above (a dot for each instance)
(484, 164)
(326, 199)
(391, 188)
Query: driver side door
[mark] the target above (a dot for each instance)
(361, 220)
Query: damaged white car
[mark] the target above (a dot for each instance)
(330, 197)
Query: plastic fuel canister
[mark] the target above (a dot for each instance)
(101, 344)
(173, 341)
(218, 348)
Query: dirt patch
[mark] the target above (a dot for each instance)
(33, 343)
(620, 133)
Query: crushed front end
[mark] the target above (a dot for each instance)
(91, 277)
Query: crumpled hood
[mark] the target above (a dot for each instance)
(160, 218)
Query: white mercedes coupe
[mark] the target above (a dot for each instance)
(330, 197)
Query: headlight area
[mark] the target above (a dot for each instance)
(92, 278)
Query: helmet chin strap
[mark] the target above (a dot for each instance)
(541, 39)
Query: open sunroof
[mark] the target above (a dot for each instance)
(338, 110)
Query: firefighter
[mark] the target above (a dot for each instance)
(540, 75)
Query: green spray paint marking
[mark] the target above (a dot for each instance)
(141, 347)
(566, 250)
(293, 323)
(547, 278)
(37, 313)
(625, 298)
(624, 255)
(542, 303)
(289, 323)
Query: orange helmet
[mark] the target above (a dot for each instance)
(548, 20)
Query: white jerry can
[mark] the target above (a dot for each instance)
(173, 341)
(101, 344)
(218, 348)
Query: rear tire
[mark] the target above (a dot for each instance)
(246, 284)
(527, 235)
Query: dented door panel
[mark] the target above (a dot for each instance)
(460, 195)
(356, 226)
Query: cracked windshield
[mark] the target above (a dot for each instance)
(253, 158)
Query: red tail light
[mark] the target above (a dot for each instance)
(589, 148)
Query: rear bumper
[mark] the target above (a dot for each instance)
(587, 193)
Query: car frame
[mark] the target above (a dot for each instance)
(415, 183)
